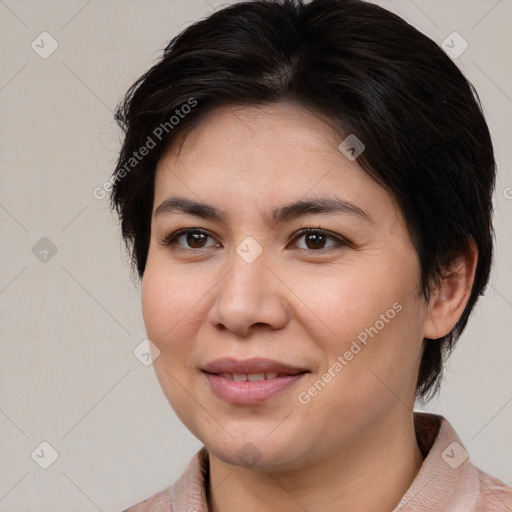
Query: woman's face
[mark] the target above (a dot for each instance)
(334, 312)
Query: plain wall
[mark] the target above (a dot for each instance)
(70, 321)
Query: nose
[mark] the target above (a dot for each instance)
(249, 297)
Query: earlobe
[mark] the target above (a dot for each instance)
(448, 301)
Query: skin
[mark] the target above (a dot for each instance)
(353, 446)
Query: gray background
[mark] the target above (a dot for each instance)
(71, 320)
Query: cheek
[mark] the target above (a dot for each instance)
(156, 299)
(380, 360)
(160, 326)
(341, 303)
(167, 313)
(169, 299)
(371, 321)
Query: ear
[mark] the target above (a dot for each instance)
(448, 301)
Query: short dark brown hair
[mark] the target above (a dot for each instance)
(367, 71)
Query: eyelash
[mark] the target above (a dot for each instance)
(170, 241)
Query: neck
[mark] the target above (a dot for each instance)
(371, 475)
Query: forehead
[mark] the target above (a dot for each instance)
(266, 155)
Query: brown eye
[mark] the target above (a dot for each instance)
(190, 239)
(195, 240)
(316, 239)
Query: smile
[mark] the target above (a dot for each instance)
(251, 381)
(253, 377)
(249, 389)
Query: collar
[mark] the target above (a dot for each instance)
(446, 481)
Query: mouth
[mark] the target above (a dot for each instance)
(251, 381)
(253, 366)
(253, 377)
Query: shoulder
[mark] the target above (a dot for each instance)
(494, 494)
(188, 490)
(159, 502)
(448, 480)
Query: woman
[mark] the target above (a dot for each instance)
(306, 193)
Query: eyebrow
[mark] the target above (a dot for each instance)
(320, 205)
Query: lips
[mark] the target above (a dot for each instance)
(253, 377)
(251, 381)
(251, 367)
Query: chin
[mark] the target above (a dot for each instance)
(257, 455)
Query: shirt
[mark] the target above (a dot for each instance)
(446, 482)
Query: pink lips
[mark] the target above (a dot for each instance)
(266, 377)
